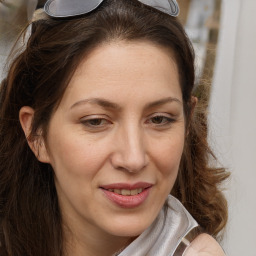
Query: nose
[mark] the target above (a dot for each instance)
(130, 150)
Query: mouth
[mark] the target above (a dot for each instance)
(126, 192)
(127, 196)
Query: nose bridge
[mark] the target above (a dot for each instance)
(130, 148)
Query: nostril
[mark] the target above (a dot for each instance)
(132, 166)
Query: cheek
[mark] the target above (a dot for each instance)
(73, 155)
(168, 155)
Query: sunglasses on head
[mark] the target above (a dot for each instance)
(72, 8)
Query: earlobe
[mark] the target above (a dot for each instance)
(36, 143)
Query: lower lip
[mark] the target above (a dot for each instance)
(127, 201)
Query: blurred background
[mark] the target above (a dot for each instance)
(224, 36)
(223, 33)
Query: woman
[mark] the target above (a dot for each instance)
(98, 127)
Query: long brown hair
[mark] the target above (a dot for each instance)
(30, 218)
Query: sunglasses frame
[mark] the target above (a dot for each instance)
(172, 11)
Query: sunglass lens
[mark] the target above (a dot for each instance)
(168, 6)
(67, 8)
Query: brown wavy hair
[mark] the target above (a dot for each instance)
(30, 217)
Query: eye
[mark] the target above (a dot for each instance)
(95, 122)
(160, 120)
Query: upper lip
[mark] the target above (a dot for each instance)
(127, 186)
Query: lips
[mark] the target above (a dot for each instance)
(127, 195)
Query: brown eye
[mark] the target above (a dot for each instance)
(158, 119)
(161, 120)
(95, 122)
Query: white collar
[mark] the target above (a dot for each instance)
(165, 234)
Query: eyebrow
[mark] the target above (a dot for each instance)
(97, 101)
(111, 105)
(162, 102)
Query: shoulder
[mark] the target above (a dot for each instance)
(204, 245)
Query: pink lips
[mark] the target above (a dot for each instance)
(127, 201)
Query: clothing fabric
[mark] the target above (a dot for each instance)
(166, 233)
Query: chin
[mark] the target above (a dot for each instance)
(129, 229)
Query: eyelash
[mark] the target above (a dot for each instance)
(102, 123)
(89, 122)
(167, 120)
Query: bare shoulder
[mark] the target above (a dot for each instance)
(204, 245)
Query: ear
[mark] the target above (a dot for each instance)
(194, 101)
(36, 143)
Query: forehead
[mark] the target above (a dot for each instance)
(126, 67)
(128, 52)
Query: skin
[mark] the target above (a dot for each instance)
(120, 121)
(204, 245)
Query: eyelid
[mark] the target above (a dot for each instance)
(161, 114)
(86, 119)
(169, 119)
(166, 114)
(94, 116)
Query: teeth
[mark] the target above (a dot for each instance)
(117, 191)
(134, 192)
(140, 190)
(126, 192)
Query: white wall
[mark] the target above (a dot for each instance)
(233, 120)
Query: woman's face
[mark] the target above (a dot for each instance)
(116, 139)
